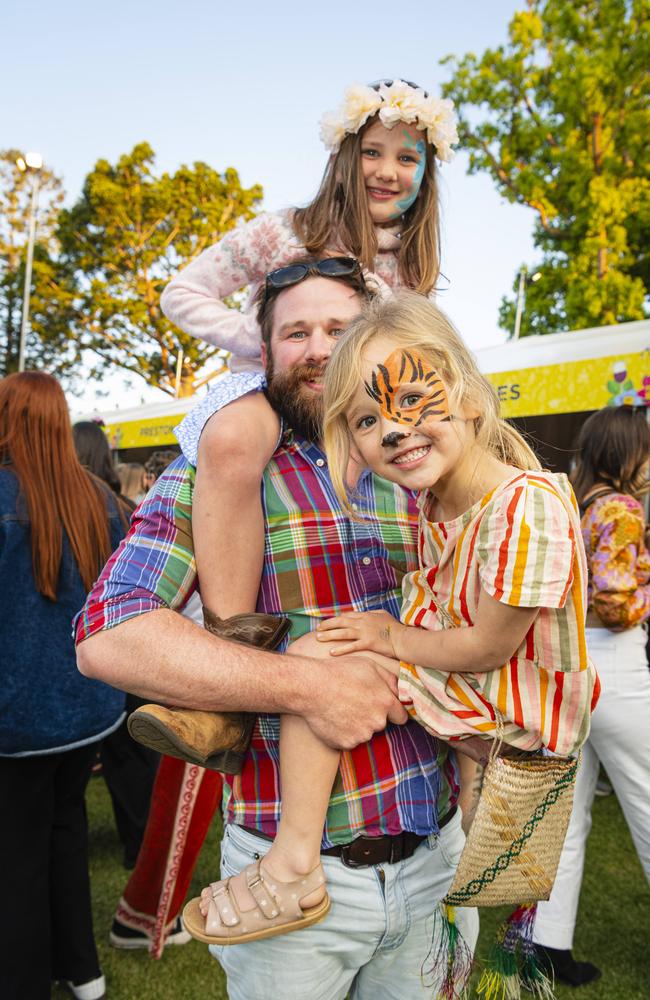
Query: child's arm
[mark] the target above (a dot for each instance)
(193, 299)
(497, 633)
(308, 645)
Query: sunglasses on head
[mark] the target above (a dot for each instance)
(330, 267)
(376, 84)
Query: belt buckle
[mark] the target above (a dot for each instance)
(373, 853)
(348, 861)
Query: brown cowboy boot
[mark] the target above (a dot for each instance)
(216, 740)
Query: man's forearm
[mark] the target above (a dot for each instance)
(166, 658)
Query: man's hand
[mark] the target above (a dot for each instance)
(352, 698)
(344, 700)
(359, 631)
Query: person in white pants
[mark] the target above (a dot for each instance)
(615, 445)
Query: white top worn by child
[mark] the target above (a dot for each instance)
(494, 618)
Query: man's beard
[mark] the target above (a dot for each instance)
(301, 408)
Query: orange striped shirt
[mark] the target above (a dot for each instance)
(521, 543)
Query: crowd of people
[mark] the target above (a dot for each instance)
(354, 589)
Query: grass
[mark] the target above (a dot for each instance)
(612, 924)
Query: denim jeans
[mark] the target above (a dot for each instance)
(374, 942)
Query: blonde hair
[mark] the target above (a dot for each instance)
(413, 323)
(339, 216)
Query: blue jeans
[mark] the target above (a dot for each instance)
(375, 939)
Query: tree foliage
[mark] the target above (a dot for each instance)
(48, 344)
(559, 118)
(130, 231)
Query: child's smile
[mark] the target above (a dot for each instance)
(411, 456)
(393, 163)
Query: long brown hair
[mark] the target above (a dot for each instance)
(614, 446)
(94, 453)
(36, 443)
(339, 215)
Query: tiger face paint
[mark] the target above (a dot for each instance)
(408, 390)
(399, 421)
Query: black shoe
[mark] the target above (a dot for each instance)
(129, 860)
(563, 967)
(127, 938)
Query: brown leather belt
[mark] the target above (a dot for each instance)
(364, 852)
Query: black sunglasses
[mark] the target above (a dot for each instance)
(376, 84)
(330, 267)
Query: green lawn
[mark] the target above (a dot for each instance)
(613, 926)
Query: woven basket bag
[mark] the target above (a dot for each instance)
(514, 843)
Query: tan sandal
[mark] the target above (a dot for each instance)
(278, 908)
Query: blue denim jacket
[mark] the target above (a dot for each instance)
(46, 705)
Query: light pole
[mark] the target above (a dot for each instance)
(33, 163)
(524, 279)
(179, 373)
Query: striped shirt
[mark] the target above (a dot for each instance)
(521, 544)
(318, 563)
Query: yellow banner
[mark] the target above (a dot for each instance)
(565, 388)
(574, 385)
(154, 431)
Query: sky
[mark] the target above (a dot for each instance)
(245, 87)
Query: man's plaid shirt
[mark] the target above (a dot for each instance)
(318, 563)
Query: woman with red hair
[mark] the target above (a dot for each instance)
(58, 526)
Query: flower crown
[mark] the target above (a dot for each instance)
(395, 101)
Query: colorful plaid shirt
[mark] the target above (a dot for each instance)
(318, 563)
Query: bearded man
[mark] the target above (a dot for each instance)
(392, 836)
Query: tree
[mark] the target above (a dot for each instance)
(48, 344)
(121, 242)
(559, 118)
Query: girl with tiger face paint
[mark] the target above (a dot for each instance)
(403, 396)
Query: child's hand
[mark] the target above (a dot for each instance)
(360, 630)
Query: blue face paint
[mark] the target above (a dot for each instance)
(420, 147)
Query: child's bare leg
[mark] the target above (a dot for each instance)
(308, 768)
(307, 771)
(227, 521)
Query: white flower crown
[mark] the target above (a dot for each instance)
(397, 101)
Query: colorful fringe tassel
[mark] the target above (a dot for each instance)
(450, 957)
(513, 961)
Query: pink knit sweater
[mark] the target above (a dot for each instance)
(193, 300)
